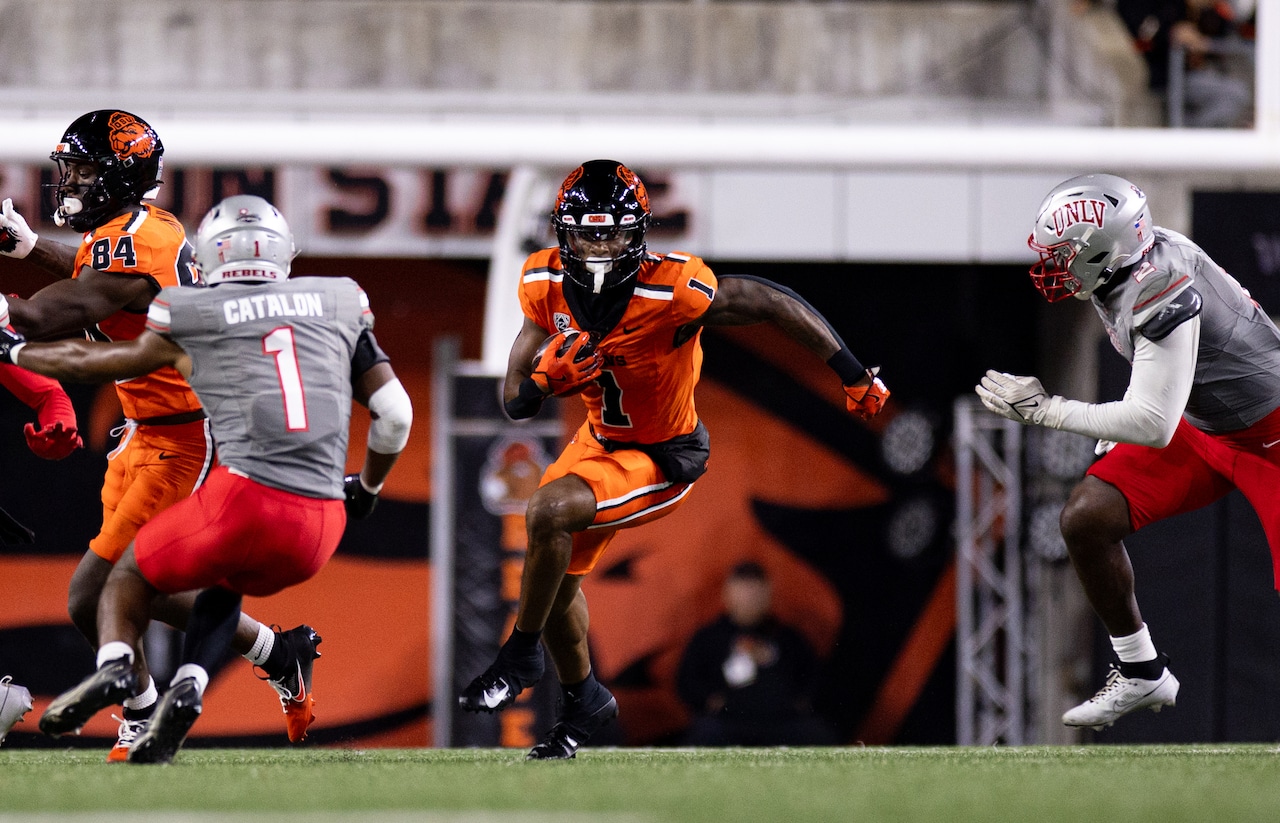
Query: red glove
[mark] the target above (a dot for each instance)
(566, 362)
(53, 442)
(866, 400)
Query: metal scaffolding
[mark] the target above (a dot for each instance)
(991, 637)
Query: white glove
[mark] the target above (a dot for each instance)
(1103, 446)
(1018, 398)
(16, 237)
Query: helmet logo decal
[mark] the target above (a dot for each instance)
(629, 177)
(568, 184)
(1077, 211)
(130, 137)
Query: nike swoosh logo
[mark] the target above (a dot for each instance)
(626, 330)
(164, 456)
(1124, 705)
(302, 687)
(1269, 445)
(493, 699)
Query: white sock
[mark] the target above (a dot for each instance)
(1136, 647)
(196, 673)
(262, 646)
(148, 697)
(114, 650)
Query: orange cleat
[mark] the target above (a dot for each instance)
(129, 731)
(294, 687)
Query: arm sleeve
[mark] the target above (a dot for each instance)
(34, 390)
(367, 354)
(1153, 404)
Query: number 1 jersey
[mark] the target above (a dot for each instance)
(272, 364)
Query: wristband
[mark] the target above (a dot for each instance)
(527, 401)
(847, 366)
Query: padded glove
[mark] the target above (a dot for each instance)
(566, 362)
(359, 500)
(866, 401)
(16, 237)
(1018, 398)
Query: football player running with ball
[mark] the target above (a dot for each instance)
(624, 327)
(110, 165)
(1201, 415)
(276, 361)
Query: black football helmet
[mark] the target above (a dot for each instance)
(129, 157)
(601, 216)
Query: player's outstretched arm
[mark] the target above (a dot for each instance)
(55, 434)
(84, 361)
(744, 299)
(1147, 415)
(17, 240)
(69, 306)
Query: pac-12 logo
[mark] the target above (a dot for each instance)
(1078, 211)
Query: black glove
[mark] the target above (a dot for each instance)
(8, 339)
(12, 532)
(360, 501)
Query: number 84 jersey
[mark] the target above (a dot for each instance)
(272, 364)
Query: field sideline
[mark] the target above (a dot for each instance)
(953, 784)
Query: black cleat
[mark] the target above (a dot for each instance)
(174, 716)
(114, 683)
(502, 682)
(575, 727)
(294, 686)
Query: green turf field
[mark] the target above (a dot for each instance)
(952, 785)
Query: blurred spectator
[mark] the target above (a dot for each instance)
(1213, 94)
(748, 678)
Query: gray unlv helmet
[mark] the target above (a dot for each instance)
(244, 239)
(1087, 228)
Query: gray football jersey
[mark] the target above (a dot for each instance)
(271, 364)
(1237, 379)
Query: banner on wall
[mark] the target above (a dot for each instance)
(496, 468)
(357, 212)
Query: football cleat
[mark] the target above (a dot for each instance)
(109, 685)
(129, 731)
(294, 686)
(174, 716)
(1122, 695)
(502, 682)
(575, 727)
(15, 702)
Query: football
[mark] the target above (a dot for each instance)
(566, 341)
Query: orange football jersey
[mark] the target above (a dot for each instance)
(644, 394)
(151, 243)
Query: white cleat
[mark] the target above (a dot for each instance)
(1122, 695)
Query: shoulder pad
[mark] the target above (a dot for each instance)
(1185, 306)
